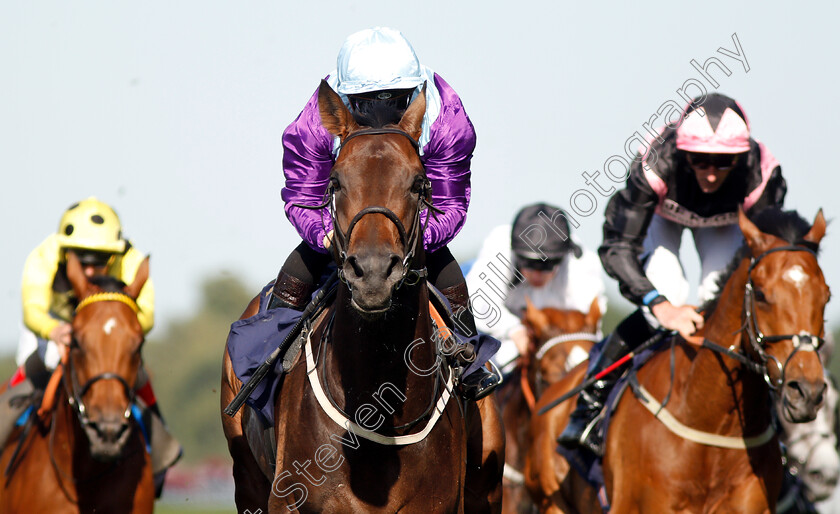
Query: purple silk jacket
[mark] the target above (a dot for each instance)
(308, 159)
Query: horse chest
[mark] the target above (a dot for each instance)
(328, 468)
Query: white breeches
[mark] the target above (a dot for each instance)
(716, 246)
(30, 343)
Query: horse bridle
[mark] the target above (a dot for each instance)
(803, 340)
(76, 393)
(409, 239)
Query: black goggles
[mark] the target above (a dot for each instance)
(93, 258)
(538, 264)
(718, 160)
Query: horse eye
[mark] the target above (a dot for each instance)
(419, 185)
(759, 296)
(336, 185)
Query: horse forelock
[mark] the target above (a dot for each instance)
(378, 114)
(108, 284)
(788, 226)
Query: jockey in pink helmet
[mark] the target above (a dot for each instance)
(379, 65)
(694, 176)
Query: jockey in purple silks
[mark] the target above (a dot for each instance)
(694, 176)
(380, 65)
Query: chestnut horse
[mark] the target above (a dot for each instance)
(759, 342)
(559, 340)
(89, 455)
(370, 398)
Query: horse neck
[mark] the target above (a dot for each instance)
(365, 355)
(721, 381)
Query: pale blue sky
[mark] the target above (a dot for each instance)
(173, 112)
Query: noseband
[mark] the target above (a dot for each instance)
(801, 341)
(77, 392)
(409, 239)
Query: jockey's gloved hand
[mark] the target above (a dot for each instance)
(328, 239)
(684, 319)
(62, 333)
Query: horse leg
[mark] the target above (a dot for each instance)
(553, 484)
(515, 415)
(252, 487)
(485, 457)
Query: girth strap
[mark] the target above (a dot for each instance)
(697, 436)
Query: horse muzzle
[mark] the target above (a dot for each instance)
(372, 280)
(801, 399)
(107, 437)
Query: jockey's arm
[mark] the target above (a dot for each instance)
(146, 300)
(775, 188)
(628, 216)
(491, 315)
(307, 161)
(585, 283)
(447, 158)
(36, 288)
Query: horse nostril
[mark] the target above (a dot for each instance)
(394, 266)
(821, 396)
(354, 263)
(796, 387)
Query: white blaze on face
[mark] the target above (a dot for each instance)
(796, 275)
(109, 325)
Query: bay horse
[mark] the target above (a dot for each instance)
(366, 420)
(559, 339)
(85, 453)
(759, 341)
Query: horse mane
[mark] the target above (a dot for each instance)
(107, 283)
(377, 114)
(786, 225)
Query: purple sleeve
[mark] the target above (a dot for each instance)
(447, 158)
(307, 161)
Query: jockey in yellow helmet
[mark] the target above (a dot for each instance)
(92, 231)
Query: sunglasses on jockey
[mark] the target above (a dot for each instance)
(538, 264)
(93, 258)
(723, 162)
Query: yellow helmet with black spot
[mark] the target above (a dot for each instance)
(91, 225)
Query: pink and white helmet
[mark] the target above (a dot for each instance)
(715, 125)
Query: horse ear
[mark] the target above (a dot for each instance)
(817, 231)
(335, 116)
(412, 120)
(140, 278)
(594, 315)
(757, 240)
(534, 317)
(76, 275)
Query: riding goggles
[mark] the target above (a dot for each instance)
(705, 160)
